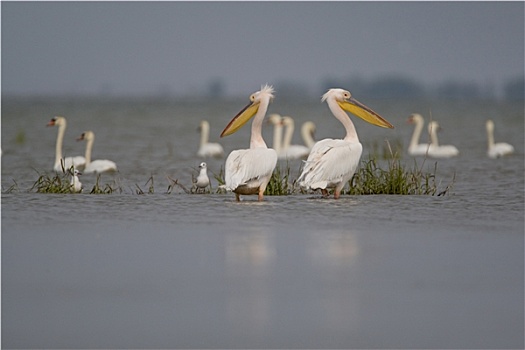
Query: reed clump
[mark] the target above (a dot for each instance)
(396, 178)
(279, 184)
(106, 189)
(59, 183)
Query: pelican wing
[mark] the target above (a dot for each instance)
(247, 165)
(330, 162)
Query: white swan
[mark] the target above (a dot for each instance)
(96, 166)
(77, 162)
(203, 180)
(496, 150)
(208, 149)
(76, 185)
(276, 120)
(307, 133)
(435, 150)
(415, 148)
(292, 151)
(248, 171)
(332, 163)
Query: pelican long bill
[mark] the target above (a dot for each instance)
(357, 108)
(241, 118)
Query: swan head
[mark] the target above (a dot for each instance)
(489, 125)
(203, 125)
(262, 97)
(288, 121)
(345, 100)
(57, 121)
(86, 135)
(274, 119)
(433, 126)
(415, 118)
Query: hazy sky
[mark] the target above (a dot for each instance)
(146, 47)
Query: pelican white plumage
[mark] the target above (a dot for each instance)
(332, 163)
(439, 151)
(99, 165)
(206, 148)
(76, 185)
(415, 148)
(496, 150)
(203, 180)
(307, 133)
(248, 171)
(61, 163)
(292, 151)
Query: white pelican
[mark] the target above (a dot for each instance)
(307, 133)
(435, 150)
(77, 162)
(208, 149)
(276, 121)
(415, 148)
(332, 163)
(203, 180)
(496, 150)
(248, 171)
(96, 166)
(76, 185)
(292, 151)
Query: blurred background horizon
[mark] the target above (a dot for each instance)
(228, 49)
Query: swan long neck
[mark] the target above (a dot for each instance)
(60, 139)
(256, 139)
(89, 146)
(288, 134)
(490, 136)
(433, 135)
(306, 133)
(277, 136)
(351, 133)
(205, 133)
(418, 128)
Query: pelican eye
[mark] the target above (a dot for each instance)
(252, 97)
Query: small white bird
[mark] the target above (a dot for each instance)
(76, 185)
(208, 149)
(203, 181)
(435, 150)
(96, 166)
(496, 150)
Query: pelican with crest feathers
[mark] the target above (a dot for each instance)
(331, 163)
(248, 171)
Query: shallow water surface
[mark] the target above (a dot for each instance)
(202, 271)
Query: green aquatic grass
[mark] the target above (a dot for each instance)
(395, 178)
(279, 184)
(106, 189)
(390, 176)
(59, 183)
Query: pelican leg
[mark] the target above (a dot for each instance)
(260, 196)
(337, 193)
(237, 197)
(324, 191)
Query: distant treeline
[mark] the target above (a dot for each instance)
(403, 87)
